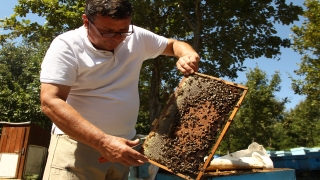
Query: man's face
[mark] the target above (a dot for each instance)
(106, 25)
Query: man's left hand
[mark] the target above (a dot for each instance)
(188, 64)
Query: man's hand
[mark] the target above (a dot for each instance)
(188, 57)
(116, 149)
(188, 64)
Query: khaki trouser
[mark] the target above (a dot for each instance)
(70, 159)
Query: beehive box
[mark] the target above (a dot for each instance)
(192, 124)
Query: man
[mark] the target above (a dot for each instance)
(89, 90)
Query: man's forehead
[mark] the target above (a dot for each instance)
(108, 23)
(99, 16)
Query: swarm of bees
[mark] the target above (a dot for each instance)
(189, 125)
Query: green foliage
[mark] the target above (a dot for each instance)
(306, 41)
(153, 95)
(301, 125)
(143, 126)
(225, 33)
(60, 15)
(258, 115)
(19, 82)
(159, 76)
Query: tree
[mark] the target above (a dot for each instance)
(259, 113)
(228, 32)
(60, 15)
(225, 33)
(306, 41)
(301, 125)
(19, 82)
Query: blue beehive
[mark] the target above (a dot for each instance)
(314, 160)
(285, 162)
(301, 159)
(287, 174)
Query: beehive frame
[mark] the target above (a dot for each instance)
(201, 108)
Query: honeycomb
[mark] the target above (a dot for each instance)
(189, 125)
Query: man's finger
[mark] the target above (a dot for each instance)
(132, 143)
(181, 69)
(194, 66)
(185, 66)
(138, 156)
(125, 162)
(194, 62)
(134, 162)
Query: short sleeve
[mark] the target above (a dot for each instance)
(154, 44)
(59, 65)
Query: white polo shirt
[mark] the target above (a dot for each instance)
(104, 86)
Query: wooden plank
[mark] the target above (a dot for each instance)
(12, 139)
(20, 149)
(25, 144)
(9, 130)
(19, 140)
(3, 139)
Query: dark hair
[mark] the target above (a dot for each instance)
(116, 9)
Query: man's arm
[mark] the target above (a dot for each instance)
(188, 57)
(115, 149)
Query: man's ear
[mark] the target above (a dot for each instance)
(85, 21)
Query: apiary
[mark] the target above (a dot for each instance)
(192, 124)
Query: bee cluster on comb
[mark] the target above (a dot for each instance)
(190, 123)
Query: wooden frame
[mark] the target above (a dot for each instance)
(218, 140)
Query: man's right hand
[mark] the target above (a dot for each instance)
(116, 149)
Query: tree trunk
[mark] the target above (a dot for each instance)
(196, 28)
(155, 104)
